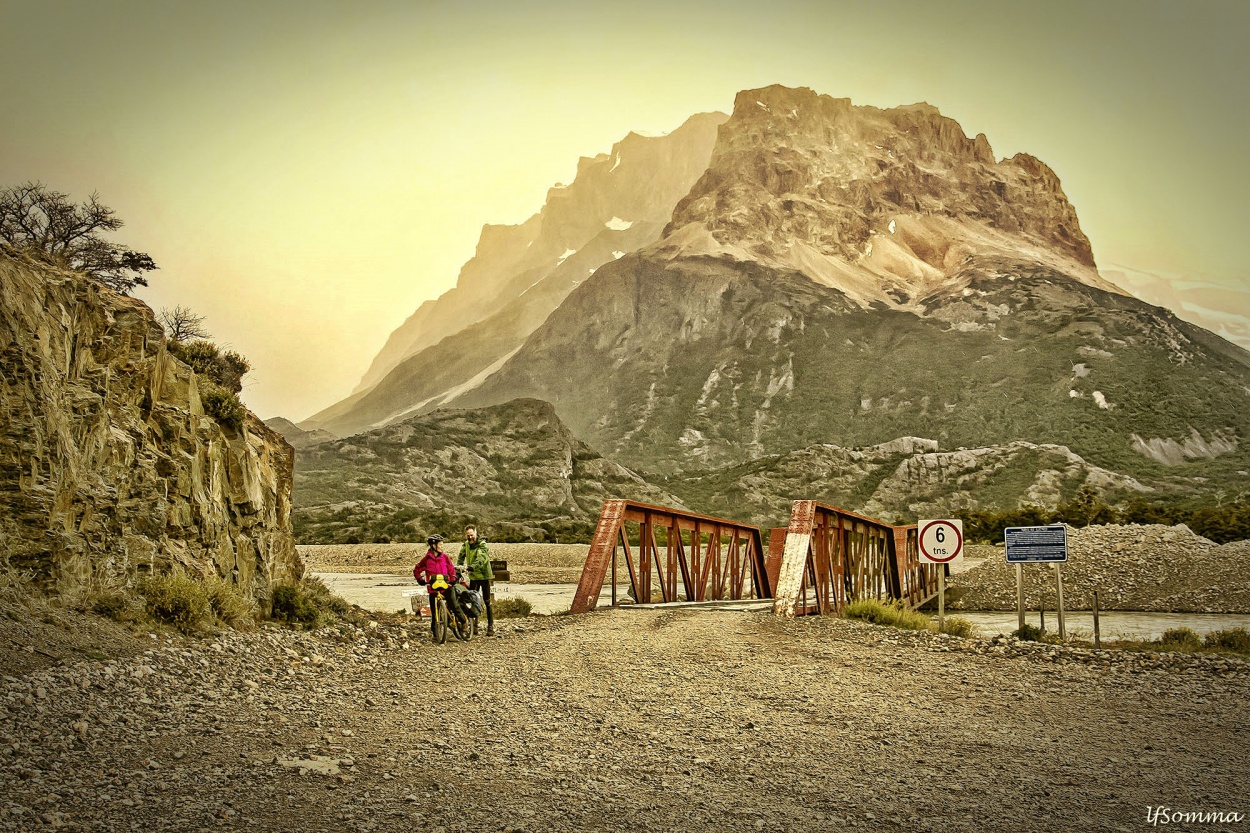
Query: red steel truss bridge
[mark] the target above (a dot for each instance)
(825, 558)
(709, 558)
(829, 556)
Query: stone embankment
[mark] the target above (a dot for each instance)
(1149, 568)
(655, 720)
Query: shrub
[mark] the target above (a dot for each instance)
(114, 604)
(1027, 633)
(306, 603)
(175, 600)
(894, 614)
(511, 608)
(224, 369)
(230, 606)
(1233, 639)
(224, 407)
(959, 626)
(293, 606)
(1183, 638)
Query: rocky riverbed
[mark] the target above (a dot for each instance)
(625, 719)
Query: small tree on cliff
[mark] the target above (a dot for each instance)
(46, 223)
(181, 324)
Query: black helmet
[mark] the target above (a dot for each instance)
(434, 539)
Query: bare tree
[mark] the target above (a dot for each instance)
(37, 220)
(181, 324)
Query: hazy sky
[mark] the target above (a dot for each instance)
(307, 173)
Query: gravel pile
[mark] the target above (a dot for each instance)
(690, 720)
(1146, 568)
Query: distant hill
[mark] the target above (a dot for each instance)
(296, 436)
(514, 468)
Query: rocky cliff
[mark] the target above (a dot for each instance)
(883, 204)
(109, 466)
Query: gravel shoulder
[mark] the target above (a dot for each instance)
(629, 719)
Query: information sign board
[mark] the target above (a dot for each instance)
(1036, 544)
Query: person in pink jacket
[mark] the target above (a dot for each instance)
(436, 562)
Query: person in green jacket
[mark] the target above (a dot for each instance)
(475, 558)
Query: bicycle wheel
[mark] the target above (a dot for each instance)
(438, 620)
(464, 630)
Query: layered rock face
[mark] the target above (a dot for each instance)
(109, 466)
(617, 203)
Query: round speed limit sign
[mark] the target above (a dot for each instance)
(940, 541)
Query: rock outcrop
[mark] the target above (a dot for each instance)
(109, 466)
(901, 480)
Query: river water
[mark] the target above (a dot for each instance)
(384, 592)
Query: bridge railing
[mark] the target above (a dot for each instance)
(829, 556)
(683, 555)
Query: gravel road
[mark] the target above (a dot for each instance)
(621, 720)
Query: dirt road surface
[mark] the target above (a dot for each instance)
(687, 720)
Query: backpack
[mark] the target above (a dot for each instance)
(470, 601)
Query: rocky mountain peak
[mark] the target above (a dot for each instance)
(886, 205)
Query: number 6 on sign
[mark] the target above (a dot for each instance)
(940, 541)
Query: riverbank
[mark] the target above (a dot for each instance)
(626, 719)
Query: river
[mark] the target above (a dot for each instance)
(384, 592)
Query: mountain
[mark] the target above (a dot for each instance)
(296, 436)
(110, 467)
(617, 203)
(851, 275)
(513, 467)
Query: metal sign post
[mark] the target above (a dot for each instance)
(1059, 590)
(1020, 594)
(940, 542)
(1036, 545)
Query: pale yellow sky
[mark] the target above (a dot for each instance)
(307, 174)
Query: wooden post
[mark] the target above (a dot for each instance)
(1042, 617)
(614, 549)
(1097, 633)
(1059, 589)
(1020, 594)
(941, 597)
